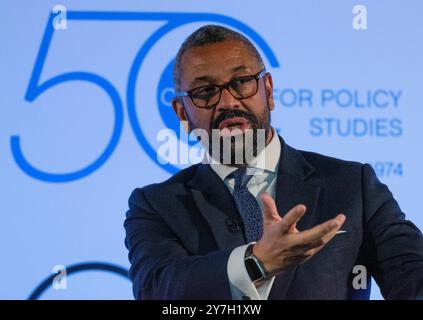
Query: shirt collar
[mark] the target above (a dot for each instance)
(267, 159)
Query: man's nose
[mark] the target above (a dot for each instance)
(227, 101)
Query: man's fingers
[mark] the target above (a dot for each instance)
(270, 213)
(326, 238)
(293, 228)
(292, 217)
(308, 249)
(324, 231)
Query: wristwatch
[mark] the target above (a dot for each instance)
(254, 267)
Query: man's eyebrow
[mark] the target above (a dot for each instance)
(202, 78)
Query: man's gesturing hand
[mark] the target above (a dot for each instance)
(282, 245)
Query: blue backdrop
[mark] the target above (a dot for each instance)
(86, 87)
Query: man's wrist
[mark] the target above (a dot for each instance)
(255, 267)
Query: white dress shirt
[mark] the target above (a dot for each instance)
(265, 167)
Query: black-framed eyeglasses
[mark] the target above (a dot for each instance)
(208, 96)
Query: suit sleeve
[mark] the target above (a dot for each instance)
(393, 244)
(161, 267)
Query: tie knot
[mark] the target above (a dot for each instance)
(241, 177)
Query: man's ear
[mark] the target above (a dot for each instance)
(268, 83)
(179, 109)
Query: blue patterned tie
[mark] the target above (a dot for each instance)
(247, 205)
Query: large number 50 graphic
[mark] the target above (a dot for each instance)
(35, 88)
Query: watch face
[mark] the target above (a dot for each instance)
(252, 269)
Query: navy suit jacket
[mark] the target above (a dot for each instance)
(180, 233)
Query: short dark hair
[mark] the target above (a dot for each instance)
(209, 34)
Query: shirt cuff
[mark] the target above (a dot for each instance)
(242, 288)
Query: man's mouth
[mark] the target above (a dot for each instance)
(234, 126)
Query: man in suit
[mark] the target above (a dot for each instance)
(295, 225)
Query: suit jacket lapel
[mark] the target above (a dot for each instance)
(217, 206)
(292, 188)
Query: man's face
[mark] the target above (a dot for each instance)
(219, 64)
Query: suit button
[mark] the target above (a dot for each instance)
(246, 298)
